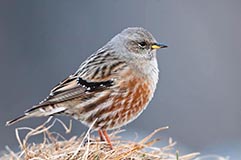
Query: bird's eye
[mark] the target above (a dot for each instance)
(142, 44)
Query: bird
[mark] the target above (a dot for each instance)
(111, 87)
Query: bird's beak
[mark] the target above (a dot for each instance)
(158, 46)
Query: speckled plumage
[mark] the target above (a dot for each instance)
(112, 87)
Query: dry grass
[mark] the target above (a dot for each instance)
(87, 147)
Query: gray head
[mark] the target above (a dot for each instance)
(136, 43)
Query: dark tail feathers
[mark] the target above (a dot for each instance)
(22, 117)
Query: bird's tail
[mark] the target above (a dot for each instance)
(22, 117)
(38, 111)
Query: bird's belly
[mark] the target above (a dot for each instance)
(122, 108)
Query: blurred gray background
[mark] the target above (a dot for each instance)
(199, 91)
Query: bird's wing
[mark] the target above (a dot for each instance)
(96, 74)
(71, 88)
(74, 87)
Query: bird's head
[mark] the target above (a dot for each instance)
(137, 43)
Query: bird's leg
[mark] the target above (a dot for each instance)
(102, 138)
(107, 138)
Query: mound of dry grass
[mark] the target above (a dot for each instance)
(87, 147)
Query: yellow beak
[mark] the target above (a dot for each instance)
(158, 46)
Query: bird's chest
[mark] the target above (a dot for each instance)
(135, 94)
